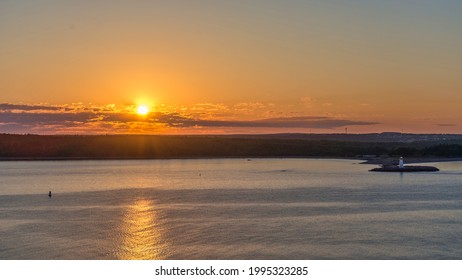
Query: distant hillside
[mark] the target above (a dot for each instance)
(369, 137)
(141, 147)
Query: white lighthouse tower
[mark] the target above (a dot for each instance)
(401, 163)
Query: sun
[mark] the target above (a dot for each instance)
(142, 110)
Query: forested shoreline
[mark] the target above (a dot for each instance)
(210, 146)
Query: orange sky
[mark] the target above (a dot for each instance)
(230, 66)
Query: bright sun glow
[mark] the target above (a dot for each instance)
(142, 110)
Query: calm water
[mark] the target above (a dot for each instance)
(227, 209)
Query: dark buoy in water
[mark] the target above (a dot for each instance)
(49, 194)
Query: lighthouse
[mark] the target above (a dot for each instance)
(401, 163)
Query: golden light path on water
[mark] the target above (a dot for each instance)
(142, 237)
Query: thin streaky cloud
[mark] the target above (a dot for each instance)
(446, 124)
(9, 107)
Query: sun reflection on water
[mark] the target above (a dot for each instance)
(142, 237)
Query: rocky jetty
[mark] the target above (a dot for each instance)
(410, 168)
(401, 168)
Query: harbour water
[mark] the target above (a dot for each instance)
(227, 209)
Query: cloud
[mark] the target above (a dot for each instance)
(9, 107)
(122, 117)
(446, 124)
(44, 118)
(82, 119)
(293, 122)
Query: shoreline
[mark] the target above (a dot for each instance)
(371, 161)
(116, 147)
(165, 158)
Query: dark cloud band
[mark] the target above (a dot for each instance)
(8, 107)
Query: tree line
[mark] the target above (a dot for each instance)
(153, 147)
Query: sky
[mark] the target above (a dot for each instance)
(230, 67)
